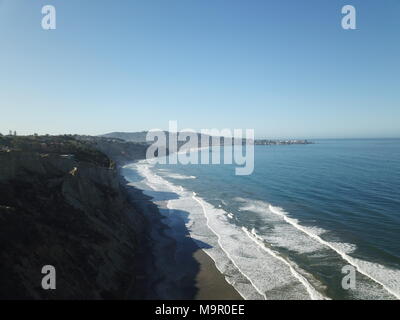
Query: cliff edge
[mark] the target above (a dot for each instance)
(62, 204)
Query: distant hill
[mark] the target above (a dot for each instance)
(138, 137)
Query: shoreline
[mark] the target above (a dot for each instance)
(212, 284)
(172, 268)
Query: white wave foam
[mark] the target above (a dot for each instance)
(388, 278)
(173, 175)
(198, 229)
(272, 278)
(277, 232)
(180, 177)
(221, 246)
(255, 273)
(314, 294)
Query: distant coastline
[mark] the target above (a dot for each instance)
(266, 142)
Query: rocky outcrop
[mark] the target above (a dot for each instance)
(70, 213)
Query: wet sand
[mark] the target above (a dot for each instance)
(210, 282)
(173, 268)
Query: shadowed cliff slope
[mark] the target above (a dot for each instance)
(62, 204)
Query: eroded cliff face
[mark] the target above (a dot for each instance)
(72, 214)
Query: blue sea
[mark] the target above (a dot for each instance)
(308, 221)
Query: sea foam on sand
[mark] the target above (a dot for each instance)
(254, 271)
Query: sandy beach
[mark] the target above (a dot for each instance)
(210, 282)
(170, 269)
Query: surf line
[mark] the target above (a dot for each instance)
(314, 294)
(342, 254)
(223, 249)
(146, 173)
(182, 191)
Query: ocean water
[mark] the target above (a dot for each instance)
(288, 230)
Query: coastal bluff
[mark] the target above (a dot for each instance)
(63, 204)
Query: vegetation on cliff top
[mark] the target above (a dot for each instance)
(66, 145)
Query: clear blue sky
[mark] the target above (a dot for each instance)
(284, 68)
